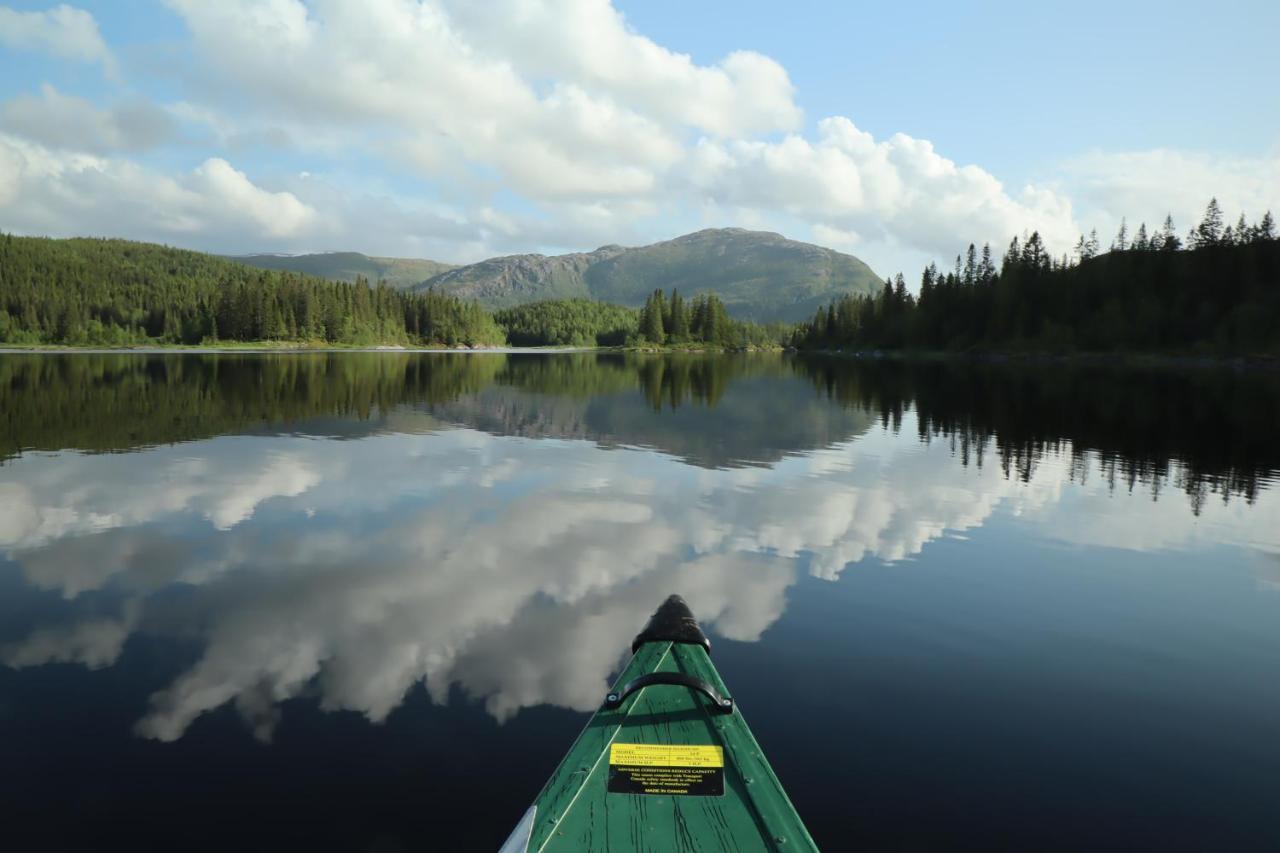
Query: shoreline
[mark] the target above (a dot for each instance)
(996, 358)
(263, 348)
(1085, 359)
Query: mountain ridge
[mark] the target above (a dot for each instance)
(400, 273)
(760, 275)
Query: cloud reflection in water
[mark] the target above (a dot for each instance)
(514, 569)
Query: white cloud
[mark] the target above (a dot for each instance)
(1146, 185)
(46, 191)
(68, 122)
(589, 41)
(841, 239)
(405, 67)
(62, 31)
(530, 126)
(899, 189)
(563, 104)
(230, 194)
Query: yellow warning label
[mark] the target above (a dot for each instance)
(665, 755)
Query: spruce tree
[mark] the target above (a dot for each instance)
(679, 318)
(1266, 229)
(1209, 231)
(971, 267)
(651, 319)
(1122, 237)
(1140, 241)
(986, 268)
(1169, 241)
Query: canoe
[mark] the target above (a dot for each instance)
(667, 763)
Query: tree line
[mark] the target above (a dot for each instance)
(94, 292)
(702, 320)
(1217, 291)
(115, 292)
(568, 322)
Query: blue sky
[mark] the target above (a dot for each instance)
(1017, 86)
(456, 130)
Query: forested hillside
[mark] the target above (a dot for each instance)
(400, 273)
(89, 292)
(700, 322)
(568, 322)
(1218, 294)
(112, 292)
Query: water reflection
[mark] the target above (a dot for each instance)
(443, 548)
(1203, 431)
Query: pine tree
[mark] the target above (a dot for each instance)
(1012, 256)
(1034, 255)
(971, 267)
(986, 268)
(651, 327)
(663, 311)
(650, 320)
(1243, 231)
(1140, 241)
(900, 294)
(1266, 229)
(679, 318)
(1122, 237)
(1209, 231)
(1169, 241)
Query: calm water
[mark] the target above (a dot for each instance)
(366, 601)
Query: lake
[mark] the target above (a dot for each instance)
(366, 601)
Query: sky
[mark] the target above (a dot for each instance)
(457, 130)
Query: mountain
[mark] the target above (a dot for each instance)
(517, 279)
(758, 274)
(400, 273)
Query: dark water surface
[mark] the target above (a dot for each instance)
(366, 601)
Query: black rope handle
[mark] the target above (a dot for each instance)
(723, 704)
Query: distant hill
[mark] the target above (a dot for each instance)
(758, 274)
(401, 273)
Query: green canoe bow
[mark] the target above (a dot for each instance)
(667, 765)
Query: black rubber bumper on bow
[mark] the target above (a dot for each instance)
(673, 622)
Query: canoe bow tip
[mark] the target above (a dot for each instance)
(672, 622)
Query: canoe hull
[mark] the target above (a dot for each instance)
(644, 777)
